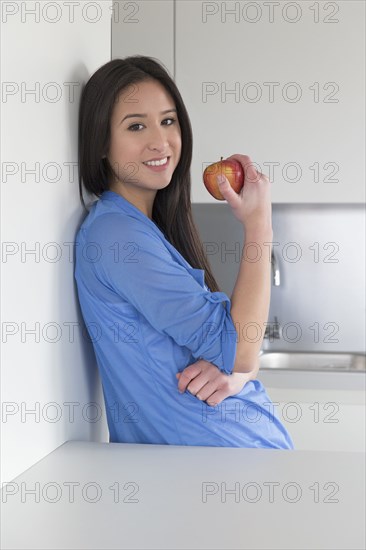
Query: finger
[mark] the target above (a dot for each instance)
(251, 172)
(217, 397)
(209, 389)
(200, 382)
(209, 373)
(184, 380)
(231, 196)
(187, 375)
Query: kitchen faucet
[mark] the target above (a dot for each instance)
(273, 330)
(275, 270)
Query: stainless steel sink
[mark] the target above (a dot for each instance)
(323, 362)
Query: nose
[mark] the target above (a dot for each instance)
(157, 139)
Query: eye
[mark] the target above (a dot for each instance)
(133, 126)
(172, 119)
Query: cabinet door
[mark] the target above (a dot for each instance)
(282, 82)
(319, 418)
(144, 27)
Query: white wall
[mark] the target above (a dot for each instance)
(42, 372)
(320, 302)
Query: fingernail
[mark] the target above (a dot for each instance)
(220, 178)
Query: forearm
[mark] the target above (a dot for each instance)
(250, 299)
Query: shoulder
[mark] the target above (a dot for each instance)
(115, 233)
(116, 226)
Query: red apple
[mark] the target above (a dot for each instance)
(232, 169)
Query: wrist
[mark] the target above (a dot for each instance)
(262, 233)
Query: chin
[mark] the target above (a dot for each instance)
(165, 184)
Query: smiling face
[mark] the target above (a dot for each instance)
(144, 127)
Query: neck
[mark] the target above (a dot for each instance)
(143, 199)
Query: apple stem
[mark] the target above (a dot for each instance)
(221, 164)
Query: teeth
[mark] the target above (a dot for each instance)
(157, 162)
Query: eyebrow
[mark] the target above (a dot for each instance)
(139, 115)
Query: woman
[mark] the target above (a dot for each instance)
(171, 367)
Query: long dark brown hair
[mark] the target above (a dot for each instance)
(172, 205)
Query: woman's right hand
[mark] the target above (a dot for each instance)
(252, 206)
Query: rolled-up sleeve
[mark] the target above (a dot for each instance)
(134, 262)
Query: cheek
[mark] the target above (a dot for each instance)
(120, 146)
(177, 141)
(114, 147)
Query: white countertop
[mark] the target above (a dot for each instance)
(174, 497)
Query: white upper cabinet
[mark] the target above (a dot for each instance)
(144, 28)
(282, 82)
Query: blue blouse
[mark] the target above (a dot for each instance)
(149, 315)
